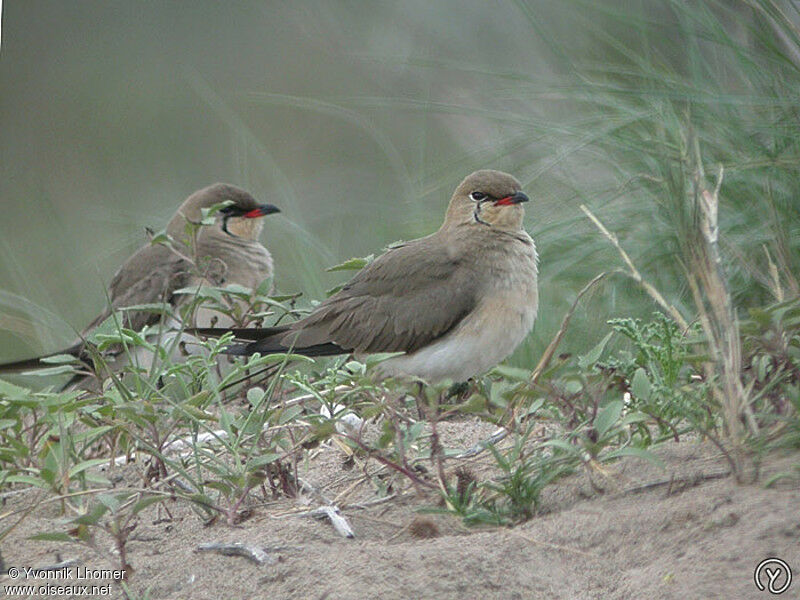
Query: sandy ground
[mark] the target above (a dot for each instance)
(686, 531)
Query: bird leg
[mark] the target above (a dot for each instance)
(418, 399)
(437, 456)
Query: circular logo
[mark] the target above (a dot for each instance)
(773, 575)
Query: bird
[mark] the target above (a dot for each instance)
(226, 251)
(455, 302)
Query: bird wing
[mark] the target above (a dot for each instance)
(402, 301)
(150, 275)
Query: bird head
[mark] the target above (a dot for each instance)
(487, 198)
(240, 218)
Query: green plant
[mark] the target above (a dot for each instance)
(114, 514)
(661, 375)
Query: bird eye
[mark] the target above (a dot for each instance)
(477, 196)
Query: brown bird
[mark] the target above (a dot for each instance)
(225, 252)
(456, 302)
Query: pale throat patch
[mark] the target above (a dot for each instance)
(248, 229)
(502, 217)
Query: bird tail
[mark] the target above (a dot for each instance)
(252, 334)
(266, 340)
(40, 362)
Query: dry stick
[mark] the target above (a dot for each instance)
(775, 278)
(377, 501)
(257, 554)
(688, 481)
(723, 327)
(782, 252)
(342, 496)
(413, 477)
(437, 456)
(553, 345)
(333, 515)
(633, 272)
(475, 450)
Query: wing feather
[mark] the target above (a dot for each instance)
(402, 301)
(152, 274)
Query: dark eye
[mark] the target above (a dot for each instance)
(478, 196)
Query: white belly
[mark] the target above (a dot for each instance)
(483, 339)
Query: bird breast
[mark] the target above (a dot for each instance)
(238, 261)
(235, 261)
(503, 317)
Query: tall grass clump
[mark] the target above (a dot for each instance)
(693, 119)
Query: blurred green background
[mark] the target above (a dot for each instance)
(359, 118)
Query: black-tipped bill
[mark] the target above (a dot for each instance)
(517, 198)
(261, 211)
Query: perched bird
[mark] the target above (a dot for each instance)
(225, 252)
(456, 302)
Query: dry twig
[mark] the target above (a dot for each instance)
(634, 273)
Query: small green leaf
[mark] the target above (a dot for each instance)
(607, 416)
(109, 501)
(289, 414)
(474, 404)
(12, 392)
(562, 445)
(512, 373)
(93, 516)
(265, 287)
(255, 396)
(59, 359)
(764, 362)
(160, 237)
(497, 393)
(236, 290)
(634, 418)
(591, 357)
(262, 459)
(640, 385)
(196, 413)
(379, 357)
(354, 264)
(144, 503)
(201, 291)
(87, 464)
(534, 407)
(224, 488)
(51, 372)
(28, 479)
(355, 367)
(207, 214)
(225, 420)
(778, 477)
